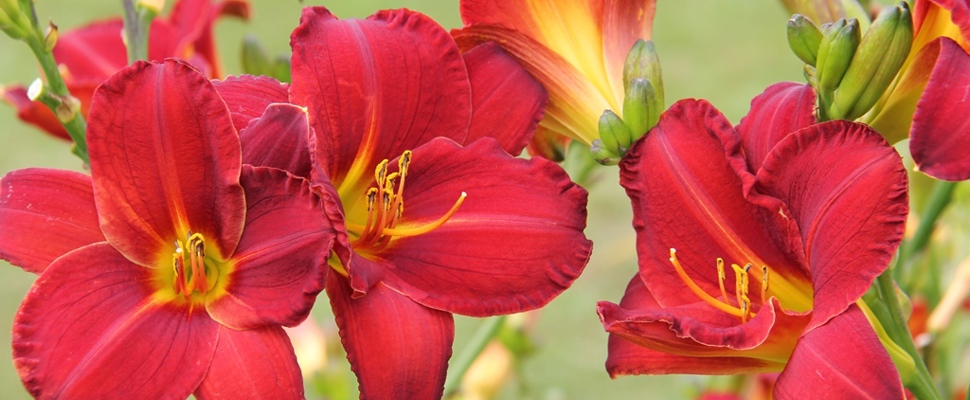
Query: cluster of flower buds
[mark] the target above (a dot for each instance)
(642, 104)
(13, 21)
(850, 71)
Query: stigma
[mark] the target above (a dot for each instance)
(742, 275)
(189, 267)
(385, 208)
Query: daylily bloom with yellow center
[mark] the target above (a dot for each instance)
(91, 54)
(576, 49)
(410, 144)
(754, 243)
(170, 270)
(927, 103)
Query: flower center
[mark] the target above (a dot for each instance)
(385, 207)
(741, 281)
(191, 271)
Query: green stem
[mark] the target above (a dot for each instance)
(76, 126)
(922, 383)
(485, 333)
(136, 32)
(939, 199)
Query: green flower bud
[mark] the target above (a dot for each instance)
(804, 38)
(839, 42)
(13, 21)
(642, 62)
(602, 155)
(255, 61)
(614, 135)
(641, 108)
(876, 63)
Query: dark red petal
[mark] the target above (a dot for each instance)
(683, 180)
(941, 131)
(92, 53)
(248, 96)
(281, 261)
(45, 213)
(846, 189)
(507, 103)
(399, 349)
(202, 41)
(164, 159)
(252, 364)
(841, 359)
(90, 328)
(693, 334)
(279, 139)
(377, 87)
(33, 112)
(515, 243)
(783, 108)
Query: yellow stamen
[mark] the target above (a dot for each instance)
(721, 277)
(385, 208)
(700, 292)
(764, 284)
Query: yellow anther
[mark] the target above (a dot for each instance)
(721, 277)
(380, 173)
(371, 198)
(404, 162)
(764, 284)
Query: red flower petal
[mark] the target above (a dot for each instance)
(279, 139)
(248, 96)
(252, 364)
(89, 328)
(693, 335)
(399, 349)
(34, 112)
(841, 359)
(683, 180)
(941, 131)
(507, 103)
(94, 52)
(783, 108)
(195, 20)
(514, 244)
(377, 87)
(45, 213)
(846, 189)
(281, 261)
(164, 159)
(575, 103)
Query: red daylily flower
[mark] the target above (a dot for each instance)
(171, 268)
(754, 242)
(576, 49)
(410, 144)
(91, 54)
(927, 103)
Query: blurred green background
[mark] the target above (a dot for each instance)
(723, 51)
